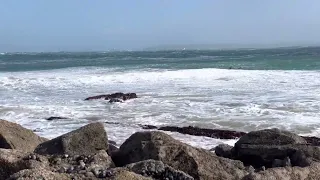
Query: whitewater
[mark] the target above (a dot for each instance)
(233, 99)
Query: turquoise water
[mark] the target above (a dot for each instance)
(307, 58)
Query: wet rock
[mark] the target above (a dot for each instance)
(224, 150)
(86, 140)
(114, 100)
(315, 141)
(199, 163)
(148, 126)
(261, 148)
(121, 96)
(271, 137)
(196, 131)
(55, 118)
(14, 136)
(157, 170)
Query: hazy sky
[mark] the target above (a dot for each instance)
(41, 25)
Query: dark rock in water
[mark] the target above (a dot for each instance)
(199, 163)
(107, 122)
(83, 141)
(55, 118)
(224, 150)
(157, 170)
(114, 100)
(148, 126)
(112, 142)
(97, 97)
(262, 148)
(14, 136)
(121, 96)
(196, 131)
(315, 141)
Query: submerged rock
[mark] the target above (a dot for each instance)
(14, 136)
(84, 141)
(55, 118)
(114, 96)
(196, 131)
(199, 163)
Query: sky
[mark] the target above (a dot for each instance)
(94, 25)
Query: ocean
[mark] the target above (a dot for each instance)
(243, 90)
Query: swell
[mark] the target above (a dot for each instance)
(258, 59)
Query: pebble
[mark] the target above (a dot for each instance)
(62, 170)
(89, 174)
(82, 165)
(102, 174)
(70, 169)
(65, 156)
(34, 157)
(96, 172)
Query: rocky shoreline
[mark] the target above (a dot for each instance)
(86, 153)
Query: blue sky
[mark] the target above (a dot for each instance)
(74, 25)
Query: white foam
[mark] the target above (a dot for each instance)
(230, 99)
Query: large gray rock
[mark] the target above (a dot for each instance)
(271, 137)
(199, 163)
(12, 161)
(84, 141)
(262, 148)
(157, 170)
(14, 136)
(287, 173)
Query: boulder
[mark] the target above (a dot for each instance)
(157, 170)
(14, 136)
(8, 162)
(31, 174)
(199, 163)
(196, 131)
(224, 150)
(265, 147)
(289, 173)
(86, 140)
(271, 137)
(121, 96)
(315, 141)
(12, 161)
